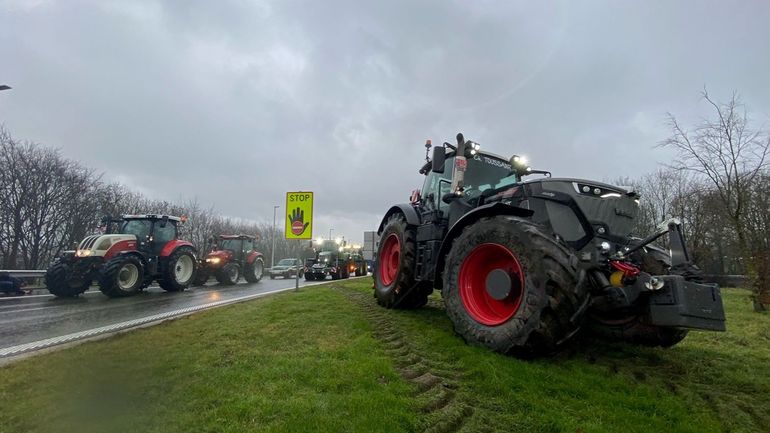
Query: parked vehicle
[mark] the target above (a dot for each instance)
(520, 264)
(287, 268)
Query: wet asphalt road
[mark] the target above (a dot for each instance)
(32, 318)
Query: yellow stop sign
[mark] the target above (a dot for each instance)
(299, 215)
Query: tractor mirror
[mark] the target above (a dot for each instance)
(439, 157)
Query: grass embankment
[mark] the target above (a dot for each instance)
(328, 359)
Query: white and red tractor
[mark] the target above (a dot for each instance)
(134, 251)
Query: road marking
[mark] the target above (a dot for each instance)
(50, 342)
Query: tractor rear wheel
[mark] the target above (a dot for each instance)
(512, 288)
(394, 282)
(59, 282)
(121, 276)
(309, 277)
(229, 274)
(179, 271)
(254, 271)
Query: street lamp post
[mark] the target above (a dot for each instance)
(272, 252)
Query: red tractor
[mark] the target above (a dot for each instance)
(143, 249)
(231, 257)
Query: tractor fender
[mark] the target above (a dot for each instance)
(133, 253)
(406, 209)
(171, 246)
(488, 210)
(120, 247)
(253, 256)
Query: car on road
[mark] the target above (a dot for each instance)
(286, 268)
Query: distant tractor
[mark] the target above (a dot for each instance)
(134, 251)
(520, 264)
(232, 257)
(331, 259)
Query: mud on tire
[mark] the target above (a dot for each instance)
(179, 270)
(394, 283)
(58, 282)
(546, 298)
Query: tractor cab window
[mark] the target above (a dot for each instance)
(434, 184)
(232, 245)
(139, 228)
(248, 245)
(324, 257)
(485, 173)
(161, 235)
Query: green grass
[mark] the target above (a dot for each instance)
(324, 359)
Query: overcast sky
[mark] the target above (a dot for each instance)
(237, 102)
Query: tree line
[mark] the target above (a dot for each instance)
(50, 203)
(719, 186)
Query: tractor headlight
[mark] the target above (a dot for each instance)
(83, 253)
(213, 260)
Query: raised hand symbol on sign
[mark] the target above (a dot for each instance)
(297, 221)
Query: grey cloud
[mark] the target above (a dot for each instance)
(237, 102)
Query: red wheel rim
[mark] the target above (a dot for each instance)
(389, 259)
(479, 304)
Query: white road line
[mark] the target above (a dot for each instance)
(49, 342)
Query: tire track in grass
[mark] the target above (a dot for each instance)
(442, 411)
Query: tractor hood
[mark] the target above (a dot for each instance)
(218, 257)
(98, 245)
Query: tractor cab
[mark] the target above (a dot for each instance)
(238, 245)
(152, 232)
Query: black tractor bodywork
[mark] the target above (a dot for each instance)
(559, 233)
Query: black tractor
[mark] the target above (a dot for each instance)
(523, 264)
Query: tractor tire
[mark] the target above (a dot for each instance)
(229, 274)
(255, 271)
(394, 283)
(179, 272)
(57, 280)
(272, 277)
(633, 326)
(121, 276)
(201, 277)
(512, 288)
(309, 277)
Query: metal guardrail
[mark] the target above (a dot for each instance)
(30, 273)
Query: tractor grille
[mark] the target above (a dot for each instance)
(88, 242)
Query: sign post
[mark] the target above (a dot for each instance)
(299, 221)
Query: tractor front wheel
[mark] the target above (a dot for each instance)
(201, 276)
(255, 270)
(394, 282)
(179, 271)
(121, 276)
(229, 274)
(58, 280)
(512, 288)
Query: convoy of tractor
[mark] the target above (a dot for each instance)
(522, 265)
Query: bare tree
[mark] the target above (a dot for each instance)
(730, 155)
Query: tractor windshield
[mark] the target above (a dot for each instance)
(325, 257)
(233, 245)
(485, 173)
(139, 228)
